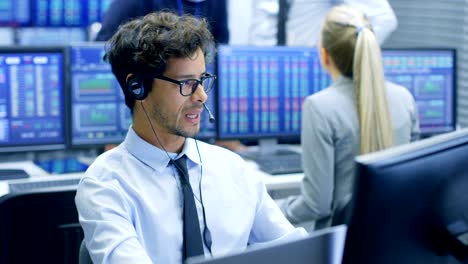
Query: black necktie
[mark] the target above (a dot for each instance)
(192, 241)
(282, 19)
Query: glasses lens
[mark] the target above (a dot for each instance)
(189, 87)
(208, 84)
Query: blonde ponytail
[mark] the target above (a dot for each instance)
(371, 97)
(353, 47)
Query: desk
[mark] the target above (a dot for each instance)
(273, 183)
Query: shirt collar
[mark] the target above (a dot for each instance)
(154, 157)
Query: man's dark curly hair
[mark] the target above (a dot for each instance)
(144, 45)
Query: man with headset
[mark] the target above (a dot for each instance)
(162, 196)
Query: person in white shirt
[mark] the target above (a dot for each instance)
(132, 201)
(305, 17)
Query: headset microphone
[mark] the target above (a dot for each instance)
(210, 115)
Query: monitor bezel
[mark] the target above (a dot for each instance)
(64, 108)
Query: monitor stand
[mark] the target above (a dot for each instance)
(267, 147)
(12, 174)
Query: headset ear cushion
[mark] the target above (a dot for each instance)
(136, 88)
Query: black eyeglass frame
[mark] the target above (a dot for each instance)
(195, 84)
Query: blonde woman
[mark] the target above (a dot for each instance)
(359, 113)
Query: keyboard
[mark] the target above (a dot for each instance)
(12, 174)
(280, 164)
(36, 185)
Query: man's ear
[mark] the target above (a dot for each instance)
(128, 77)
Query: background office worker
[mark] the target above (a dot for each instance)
(359, 113)
(303, 20)
(120, 11)
(133, 201)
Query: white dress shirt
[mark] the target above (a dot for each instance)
(130, 203)
(305, 19)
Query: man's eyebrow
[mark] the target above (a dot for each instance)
(190, 76)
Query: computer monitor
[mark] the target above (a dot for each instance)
(99, 115)
(410, 204)
(32, 99)
(261, 90)
(322, 247)
(67, 13)
(59, 13)
(14, 12)
(430, 75)
(40, 36)
(96, 10)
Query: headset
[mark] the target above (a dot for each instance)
(136, 87)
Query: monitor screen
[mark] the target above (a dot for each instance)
(58, 13)
(410, 204)
(14, 12)
(99, 115)
(32, 100)
(67, 13)
(97, 9)
(50, 36)
(261, 89)
(430, 77)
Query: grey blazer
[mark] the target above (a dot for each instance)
(330, 142)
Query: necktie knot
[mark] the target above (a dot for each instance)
(181, 167)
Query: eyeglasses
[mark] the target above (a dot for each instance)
(189, 86)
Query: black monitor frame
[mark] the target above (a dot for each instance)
(409, 204)
(453, 51)
(64, 110)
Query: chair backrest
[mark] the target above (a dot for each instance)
(39, 226)
(84, 257)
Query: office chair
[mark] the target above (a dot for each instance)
(84, 257)
(40, 226)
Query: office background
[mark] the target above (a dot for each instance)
(421, 23)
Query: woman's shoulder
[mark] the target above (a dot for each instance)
(396, 90)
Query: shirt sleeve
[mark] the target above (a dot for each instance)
(380, 14)
(270, 226)
(119, 11)
(105, 217)
(263, 27)
(317, 187)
